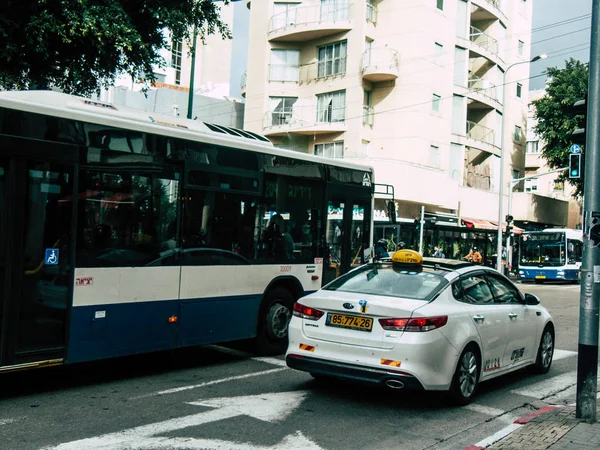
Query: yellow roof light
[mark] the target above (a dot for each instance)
(408, 257)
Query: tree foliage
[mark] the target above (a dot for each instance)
(556, 120)
(81, 46)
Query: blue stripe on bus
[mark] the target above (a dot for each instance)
(106, 331)
(549, 274)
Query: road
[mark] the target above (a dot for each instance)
(222, 398)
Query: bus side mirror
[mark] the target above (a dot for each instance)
(531, 299)
(391, 211)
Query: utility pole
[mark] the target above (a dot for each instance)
(192, 75)
(587, 358)
(422, 221)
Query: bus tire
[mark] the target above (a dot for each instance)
(273, 320)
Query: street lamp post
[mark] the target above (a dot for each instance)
(502, 155)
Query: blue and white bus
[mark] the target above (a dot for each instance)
(551, 254)
(125, 232)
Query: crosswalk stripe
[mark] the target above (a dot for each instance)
(562, 354)
(549, 386)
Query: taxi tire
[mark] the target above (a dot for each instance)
(455, 393)
(272, 310)
(539, 367)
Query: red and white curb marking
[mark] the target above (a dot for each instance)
(518, 423)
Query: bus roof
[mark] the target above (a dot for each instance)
(570, 232)
(58, 104)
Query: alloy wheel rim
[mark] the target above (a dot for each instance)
(547, 349)
(278, 319)
(468, 374)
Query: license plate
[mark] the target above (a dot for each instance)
(541, 276)
(352, 322)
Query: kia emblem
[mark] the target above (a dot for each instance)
(348, 305)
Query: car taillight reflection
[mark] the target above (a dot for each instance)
(305, 312)
(416, 324)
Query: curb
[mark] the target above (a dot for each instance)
(518, 423)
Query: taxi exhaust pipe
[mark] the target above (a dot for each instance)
(394, 384)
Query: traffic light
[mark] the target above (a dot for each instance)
(580, 109)
(417, 224)
(391, 210)
(574, 165)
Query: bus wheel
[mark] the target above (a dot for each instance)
(273, 320)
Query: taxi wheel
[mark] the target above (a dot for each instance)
(466, 377)
(545, 352)
(274, 318)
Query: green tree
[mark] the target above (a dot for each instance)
(81, 46)
(556, 120)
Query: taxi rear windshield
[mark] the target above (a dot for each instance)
(379, 279)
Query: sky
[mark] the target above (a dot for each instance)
(561, 29)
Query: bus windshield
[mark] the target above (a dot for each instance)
(543, 249)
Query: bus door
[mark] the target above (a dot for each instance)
(347, 230)
(35, 259)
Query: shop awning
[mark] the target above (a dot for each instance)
(480, 224)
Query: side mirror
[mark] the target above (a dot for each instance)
(531, 299)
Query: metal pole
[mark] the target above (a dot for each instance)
(587, 357)
(192, 76)
(501, 186)
(421, 230)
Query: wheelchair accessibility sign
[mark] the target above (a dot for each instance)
(51, 258)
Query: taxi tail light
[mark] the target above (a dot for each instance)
(415, 324)
(305, 312)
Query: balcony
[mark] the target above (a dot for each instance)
(483, 45)
(243, 83)
(482, 94)
(305, 120)
(322, 70)
(306, 23)
(481, 138)
(368, 116)
(487, 10)
(380, 64)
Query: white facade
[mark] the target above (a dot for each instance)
(412, 87)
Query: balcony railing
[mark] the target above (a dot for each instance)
(368, 115)
(314, 14)
(480, 133)
(483, 87)
(304, 116)
(371, 13)
(483, 40)
(381, 63)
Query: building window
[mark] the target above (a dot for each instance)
(531, 185)
(367, 109)
(518, 133)
(515, 174)
(435, 103)
(332, 59)
(284, 14)
(330, 149)
(434, 156)
(285, 65)
(440, 4)
(371, 12)
(438, 53)
(281, 110)
(334, 10)
(331, 107)
(364, 149)
(176, 52)
(519, 89)
(521, 47)
(533, 147)
(559, 186)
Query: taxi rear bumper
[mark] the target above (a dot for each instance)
(386, 377)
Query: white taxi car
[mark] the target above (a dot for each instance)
(421, 323)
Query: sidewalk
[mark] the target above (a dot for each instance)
(550, 427)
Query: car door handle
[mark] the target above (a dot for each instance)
(513, 316)
(478, 318)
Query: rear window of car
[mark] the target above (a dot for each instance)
(379, 279)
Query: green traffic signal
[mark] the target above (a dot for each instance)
(575, 165)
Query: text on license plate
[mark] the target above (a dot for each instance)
(353, 322)
(541, 276)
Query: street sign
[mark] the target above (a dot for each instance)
(51, 257)
(575, 148)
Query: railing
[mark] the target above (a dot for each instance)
(385, 59)
(284, 72)
(480, 133)
(243, 80)
(483, 40)
(322, 69)
(371, 13)
(368, 115)
(314, 14)
(302, 116)
(483, 87)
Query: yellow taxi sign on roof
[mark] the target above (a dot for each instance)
(407, 257)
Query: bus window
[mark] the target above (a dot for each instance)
(575, 251)
(125, 219)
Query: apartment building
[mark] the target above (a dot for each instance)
(542, 202)
(415, 88)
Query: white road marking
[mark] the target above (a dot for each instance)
(9, 421)
(209, 383)
(497, 436)
(562, 354)
(548, 387)
(274, 361)
(488, 410)
(272, 407)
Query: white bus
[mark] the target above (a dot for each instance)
(125, 232)
(551, 254)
